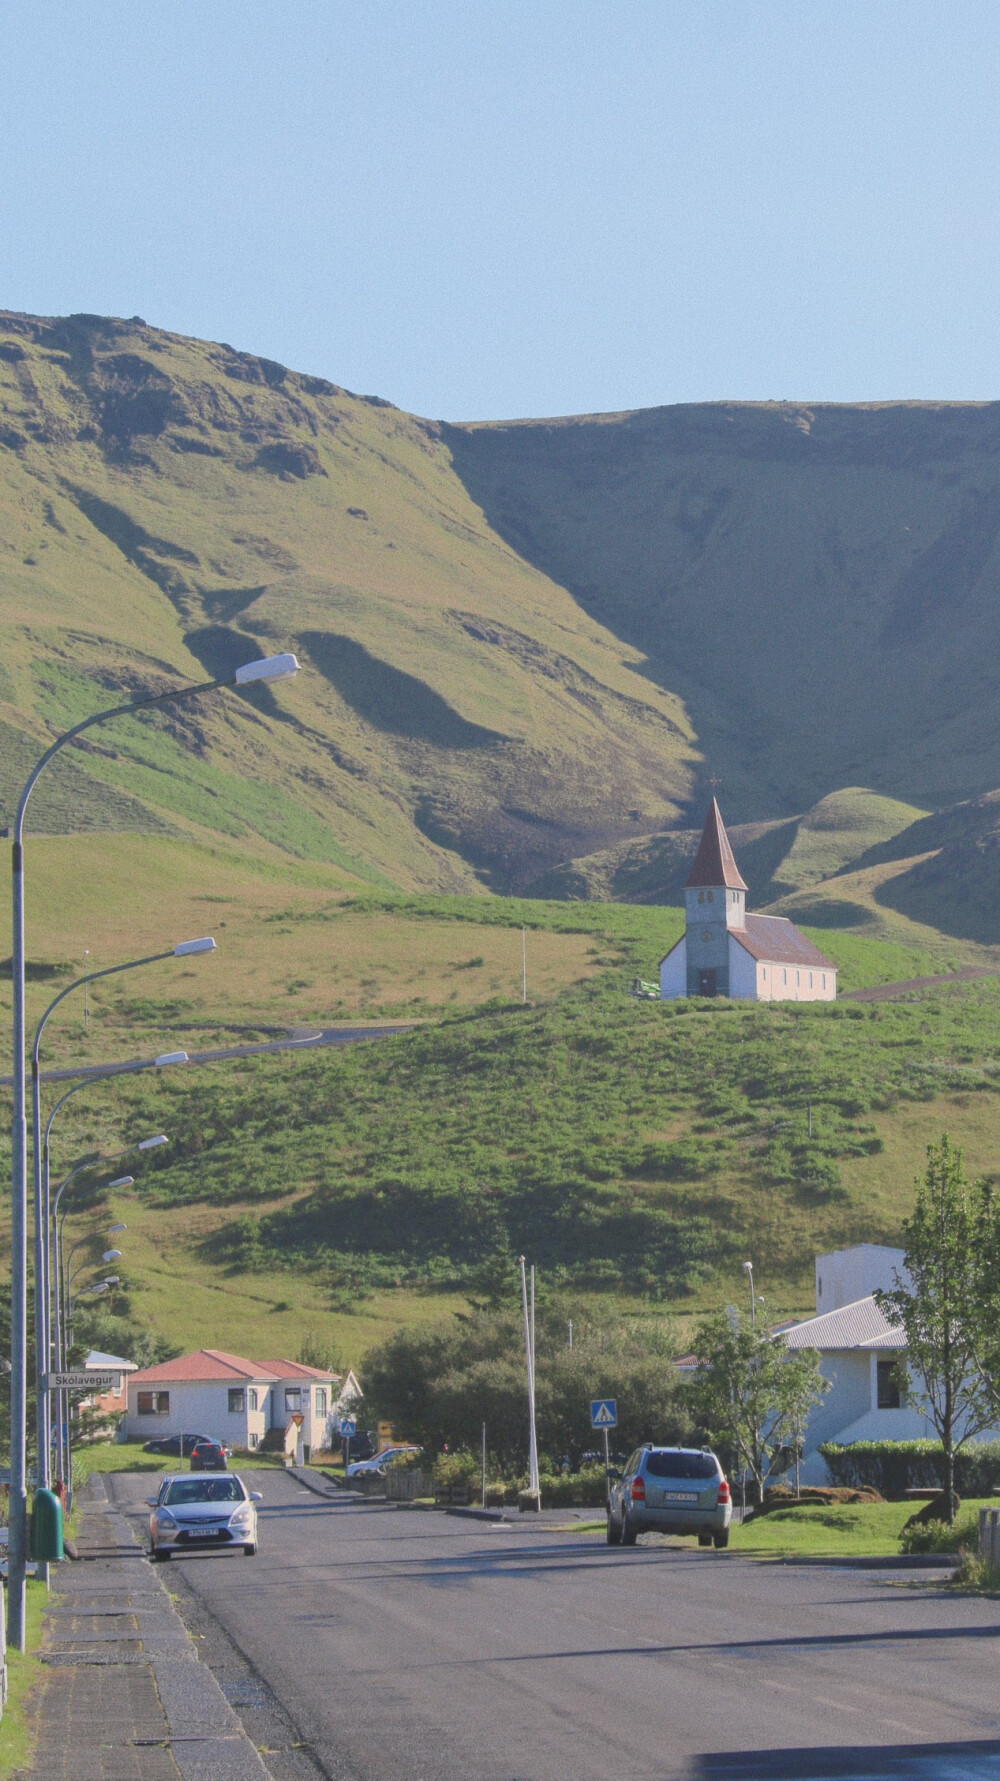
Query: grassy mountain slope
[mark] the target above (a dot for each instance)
(172, 507)
(816, 582)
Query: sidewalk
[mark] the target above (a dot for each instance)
(125, 1697)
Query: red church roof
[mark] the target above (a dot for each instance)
(714, 863)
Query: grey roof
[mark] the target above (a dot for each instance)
(861, 1325)
(777, 940)
(109, 1363)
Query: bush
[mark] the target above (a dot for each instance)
(456, 1468)
(586, 1489)
(894, 1467)
(937, 1536)
(977, 1574)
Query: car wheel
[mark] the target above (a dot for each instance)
(629, 1535)
(721, 1540)
(614, 1533)
(704, 1539)
(249, 1552)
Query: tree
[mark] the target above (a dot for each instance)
(944, 1311)
(751, 1394)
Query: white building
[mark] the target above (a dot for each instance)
(231, 1399)
(726, 952)
(859, 1353)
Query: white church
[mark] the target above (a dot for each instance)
(725, 951)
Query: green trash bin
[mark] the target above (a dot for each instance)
(46, 1527)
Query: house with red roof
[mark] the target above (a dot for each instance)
(726, 952)
(231, 1399)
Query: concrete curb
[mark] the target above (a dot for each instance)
(900, 1561)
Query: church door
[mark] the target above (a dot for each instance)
(706, 983)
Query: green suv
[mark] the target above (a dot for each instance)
(670, 1490)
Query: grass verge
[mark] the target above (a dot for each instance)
(128, 1456)
(23, 1671)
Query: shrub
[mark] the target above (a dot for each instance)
(586, 1489)
(977, 1574)
(456, 1468)
(894, 1467)
(937, 1536)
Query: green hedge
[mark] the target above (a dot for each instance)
(894, 1467)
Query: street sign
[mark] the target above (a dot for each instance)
(384, 1435)
(348, 1426)
(88, 1379)
(603, 1413)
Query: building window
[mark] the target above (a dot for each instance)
(252, 1398)
(321, 1400)
(701, 896)
(823, 980)
(153, 1403)
(784, 977)
(236, 1400)
(293, 1398)
(763, 972)
(887, 1394)
(810, 980)
(796, 980)
(253, 1440)
(711, 896)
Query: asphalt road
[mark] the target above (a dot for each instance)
(413, 1645)
(293, 1042)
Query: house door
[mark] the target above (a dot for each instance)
(706, 983)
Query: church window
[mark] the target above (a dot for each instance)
(701, 896)
(764, 972)
(824, 980)
(796, 980)
(810, 980)
(784, 976)
(711, 896)
(706, 935)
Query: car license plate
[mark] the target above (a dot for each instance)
(681, 1496)
(203, 1533)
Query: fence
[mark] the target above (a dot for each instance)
(403, 1484)
(989, 1536)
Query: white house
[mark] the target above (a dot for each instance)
(232, 1399)
(726, 952)
(859, 1353)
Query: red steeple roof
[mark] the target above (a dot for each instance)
(714, 863)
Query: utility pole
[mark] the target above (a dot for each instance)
(524, 964)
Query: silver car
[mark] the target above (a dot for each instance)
(202, 1512)
(670, 1490)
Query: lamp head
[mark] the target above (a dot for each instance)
(187, 947)
(123, 1181)
(161, 1138)
(112, 1255)
(112, 1228)
(170, 1057)
(748, 1267)
(268, 668)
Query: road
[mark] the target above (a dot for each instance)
(428, 1647)
(293, 1042)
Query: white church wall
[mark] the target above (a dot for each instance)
(742, 973)
(673, 973)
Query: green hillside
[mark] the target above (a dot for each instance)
(816, 582)
(170, 507)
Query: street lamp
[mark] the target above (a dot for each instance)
(268, 669)
(748, 1271)
(185, 949)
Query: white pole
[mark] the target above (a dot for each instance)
(86, 1005)
(484, 1465)
(529, 1350)
(524, 964)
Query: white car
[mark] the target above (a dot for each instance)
(367, 1468)
(202, 1512)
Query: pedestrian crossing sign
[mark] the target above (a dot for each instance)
(603, 1413)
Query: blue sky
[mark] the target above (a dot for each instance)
(490, 208)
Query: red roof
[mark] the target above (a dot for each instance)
(205, 1363)
(714, 863)
(295, 1369)
(778, 941)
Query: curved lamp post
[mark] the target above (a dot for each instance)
(43, 1334)
(269, 668)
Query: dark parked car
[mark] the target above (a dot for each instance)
(670, 1490)
(209, 1456)
(360, 1446)
(172, 1444)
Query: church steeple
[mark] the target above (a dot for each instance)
(715, 904)
(714, 863)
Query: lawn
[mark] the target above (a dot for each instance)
(840, 1530)
(128, 1456)
(22, 1672)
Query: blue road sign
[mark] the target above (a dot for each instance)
(348, 1426)
(604, 1413)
